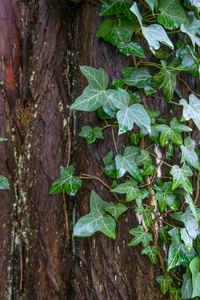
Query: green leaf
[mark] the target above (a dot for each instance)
(142, 195)
(162, 231)
(190, 60)
(180, 176)
(4, 184)
(90, 134)
(128, 115)
(67, 182)
(152, 253)
(2, 139)
(189, 221)
(191, 110)
(188, 240)
(140, 236)
(110, 167)
(186, 288)
(126, 71)
(164, 283)
(192, 27)
(96, 220)
(127, 163)
(115, 210)
(135, 138)
(176, 293)
(149, 90)
(117, 7)
(194, 267)
(188, 153)
(178, 252)
(145, 160)
(131, 48)
(172, 14)
(188, 200)
(129, 189)
(139, 78)
(151, 4)
(146, 213)
(166, 196)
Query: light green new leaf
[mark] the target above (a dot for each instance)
(90, 134)
(152, 253)
(194, 267)
(117, 7)
(178, 252)
(192, 28)
(180, 176)
(188, 153)
(191, 110)
(188, 240)
(186, 288)
(127, 163)
(189, 221)
(139, 78)
(129, 189)
(166, 196)
(2, 139)
(67, 182)
(171, 14)
(115, 210)
(146, 213)
(164, 282)
(4, 184)
(163, 234)
(140, 236)
(96, 220)
(176, 293)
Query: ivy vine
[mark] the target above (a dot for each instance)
(154, 198)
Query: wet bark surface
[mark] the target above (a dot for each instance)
(42, 45)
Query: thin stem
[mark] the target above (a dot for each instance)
(171, 102)
(88, 176)
(179, 279)
(171, 225)
(187, 86)
(107, 126)
(101, 1)
(113, 135)
(160, 159)
(197, 193)
(134, 61)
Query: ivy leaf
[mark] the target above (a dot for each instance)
(135, 138)
(188, 200)
(128, 115)
(4, 184)
(90, 134)
(190, 60)
(95, 94)
(67, 182)
(145, 160)
(164, 283)
(129, 189)
(110, 167)
(186, 288)
(163, 234)
(131, 48)
(142, 195)
(188, 153)
(154, 34)
(180, 176)
(2, 139)
(191, 110)
(140, 236)
(166, 196)
(139, 78)
(187, 239)
(173, 132)
(172, 14)
(115, 210)
(178, 252)
(96, 220)
(176, 293)
(192, 27)
(194, 267)
(127, 163)
(152, 253)
(189, 221)
(146, 213)
(151, 4)
(117, 7)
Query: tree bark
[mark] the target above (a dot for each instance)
(42, 45)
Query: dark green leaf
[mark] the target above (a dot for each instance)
(186, 288)
(149, 90)
(164, 282)
(191, 110)
(142, 195)
(96, 220)
(126, 71)
(140, 236)
(117, 7)
(152, 253)
(192, 28)
(131, 48)
(67, 182)
(4, 184)
(135, 138)
(90, 134)
(176, 293)
(163, 234)
(166, 196)
(139, 78)
(180, 176)
(146, 213)
(161, 54)
(129, 189)
(115, 210)
(110, 167)
(194, 267)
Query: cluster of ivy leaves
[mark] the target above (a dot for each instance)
(124, 106)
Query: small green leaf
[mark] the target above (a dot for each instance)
(194, 267)
(186, 288)
(188, 153)
(163, 234)
(115, 210)
(191, 110)
(91, 134)
(164, 283)
(149, 90)
(140, 236)
(139, 78)
(135, 138)
(151, 4)
(3, 139)
(176, 293)
(96, 220)
(142, 195)
(126, 71)
(166, 196)
(67, 182)
(146, 213)
(127, 163)
(188, 240)
(117, 7)
(180, 176)
(129, 189)
(4, 184)
(110, 167)
(152, 253)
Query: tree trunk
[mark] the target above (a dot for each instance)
(42, 45)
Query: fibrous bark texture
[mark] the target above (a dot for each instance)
(42, 45)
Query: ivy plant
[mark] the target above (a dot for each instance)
(135, 171)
